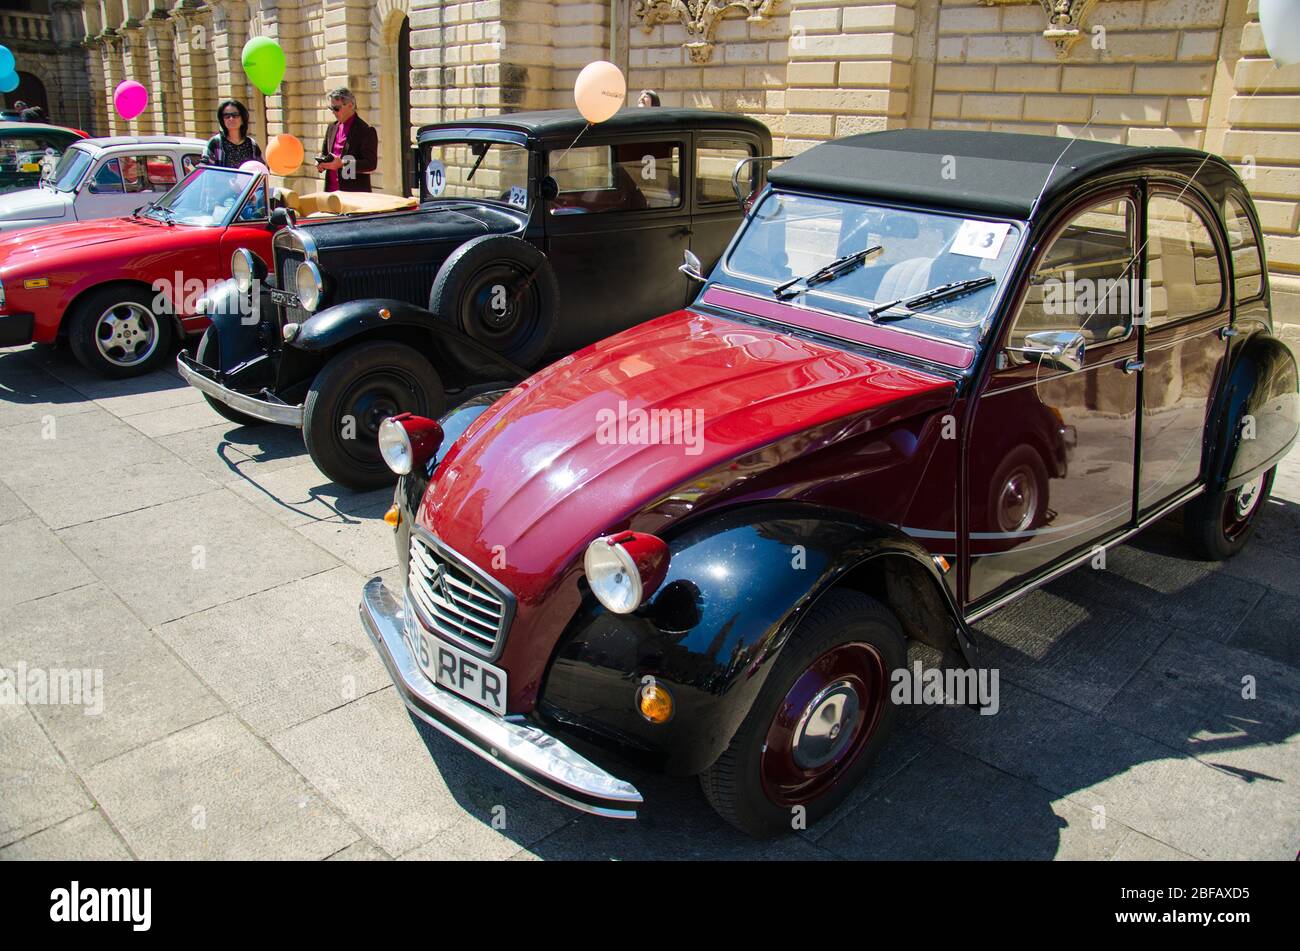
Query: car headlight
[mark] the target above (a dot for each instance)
(625, 569)
(243, 269)
(407, 441)
(307, 282)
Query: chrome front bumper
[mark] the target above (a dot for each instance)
(513, 746)
(197, 376)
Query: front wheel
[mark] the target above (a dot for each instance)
(818, 722)
(356, 391)
(1218, 524)
(116, 333)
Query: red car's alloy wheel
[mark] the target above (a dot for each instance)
(126, 334)
(821, 727)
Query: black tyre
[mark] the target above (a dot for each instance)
(501, 291)
(115, 332)
(1218, 525)
(819, 721)
(208, 355)
(1017, 498)
(356, 391)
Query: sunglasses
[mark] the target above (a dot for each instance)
(335, 108)
(231, 115)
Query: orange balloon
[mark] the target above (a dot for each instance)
(599, 91)
(284, 154)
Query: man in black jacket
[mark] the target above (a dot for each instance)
(352, 142)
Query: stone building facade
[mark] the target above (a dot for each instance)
(1191, 72)
(45, 37)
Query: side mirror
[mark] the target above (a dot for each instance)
(550, 188)
(282, 218)
(1061, 349)
(691, 267)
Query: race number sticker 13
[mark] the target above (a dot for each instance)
(435, 178)
(980, 239)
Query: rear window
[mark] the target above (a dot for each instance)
(603, 178)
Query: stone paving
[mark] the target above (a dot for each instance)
(212, 575)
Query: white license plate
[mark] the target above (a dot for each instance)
(459, 671)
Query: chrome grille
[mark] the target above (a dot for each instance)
(456, 600)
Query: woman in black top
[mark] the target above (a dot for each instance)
(232, 146)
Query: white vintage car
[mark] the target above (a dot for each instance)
(102, 178)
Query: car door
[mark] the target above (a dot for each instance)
(104, 194)
(1050, 459)
(1183, 348)
(616, 233)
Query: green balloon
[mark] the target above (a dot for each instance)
(264, 63)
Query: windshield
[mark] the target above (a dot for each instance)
(73, 164)
(497, 171)
(29, 152)
(207, 196)
(791, 237)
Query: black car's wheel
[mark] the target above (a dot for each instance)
(208, 355)
(115, 332)
(1018, 492)
(501, 291)
(356, 391)
(1218, 524)
(818, 722)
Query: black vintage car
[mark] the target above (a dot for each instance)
(536, 235)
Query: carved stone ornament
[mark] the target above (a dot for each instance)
(1065, 20)
(700, 17)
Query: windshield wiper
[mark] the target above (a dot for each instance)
(470, 176)
(837, 268)
(935, 294)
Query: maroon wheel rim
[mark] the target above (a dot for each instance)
(823, 724)
(1240, 506)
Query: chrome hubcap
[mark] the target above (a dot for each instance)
(1248, 496)
(1017, 502)
(826, 725)
(126, 334)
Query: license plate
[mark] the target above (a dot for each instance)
(459, 671)
(284, 298)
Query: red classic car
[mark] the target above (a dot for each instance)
(121, 291)
(933, 371)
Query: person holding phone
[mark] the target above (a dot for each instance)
(350, 152)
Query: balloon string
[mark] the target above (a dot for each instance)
(571, 145)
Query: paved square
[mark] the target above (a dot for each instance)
(211, 574)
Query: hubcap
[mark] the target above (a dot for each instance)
(1017, 502)
(823, 723)
(126, 334)
(493, 314)
(371, 400)
(1248, 496)
(1240, 506)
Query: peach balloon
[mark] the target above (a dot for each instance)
(284, 154)
(599, 91)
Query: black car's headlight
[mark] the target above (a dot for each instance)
(308, 285)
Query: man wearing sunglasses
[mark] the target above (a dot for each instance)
(351, 144)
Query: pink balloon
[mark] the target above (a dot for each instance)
(254, 166)
(130, 98)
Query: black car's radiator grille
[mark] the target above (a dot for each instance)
(286, 262)
(407, 282)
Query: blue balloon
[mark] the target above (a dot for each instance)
(6, 62)
(9, 82)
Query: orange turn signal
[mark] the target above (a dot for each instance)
(655, 703)
(393, 517)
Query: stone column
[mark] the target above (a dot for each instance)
(164, 101)
(135, 63)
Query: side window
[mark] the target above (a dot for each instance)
(1084, 283)
(715, 160)
(1247, 265)
(1183, 273)
(255, 206)
(108, 180)
(631, 177)
(160, 172)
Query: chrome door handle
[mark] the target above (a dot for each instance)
(1226, 332)
(1133, 366)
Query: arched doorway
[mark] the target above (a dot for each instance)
(390, 50)
(30, 90)
(404, 100)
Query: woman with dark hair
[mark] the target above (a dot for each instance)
(232, 146)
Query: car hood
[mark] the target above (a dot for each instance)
(435, 221)
(33, 203)
(569, 454)
(42, 242)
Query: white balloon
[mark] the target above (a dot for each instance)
(1279, 20)
(599, 91)
(254, 166)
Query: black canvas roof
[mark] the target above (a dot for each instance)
(567, 123)
(999, 173)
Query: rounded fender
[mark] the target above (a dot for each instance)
(237, 323)
(1257, 414)
(737, 586)
(334, 326)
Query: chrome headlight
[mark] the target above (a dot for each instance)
(625, 569)
(242, 269)
(308, 283)
(407, 441)
(395, 446)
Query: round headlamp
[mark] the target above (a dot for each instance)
(407, 441)
(243, 269)
(625, 569)
(308, 283)
(395, 446)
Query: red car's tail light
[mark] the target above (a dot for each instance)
(407, 441)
